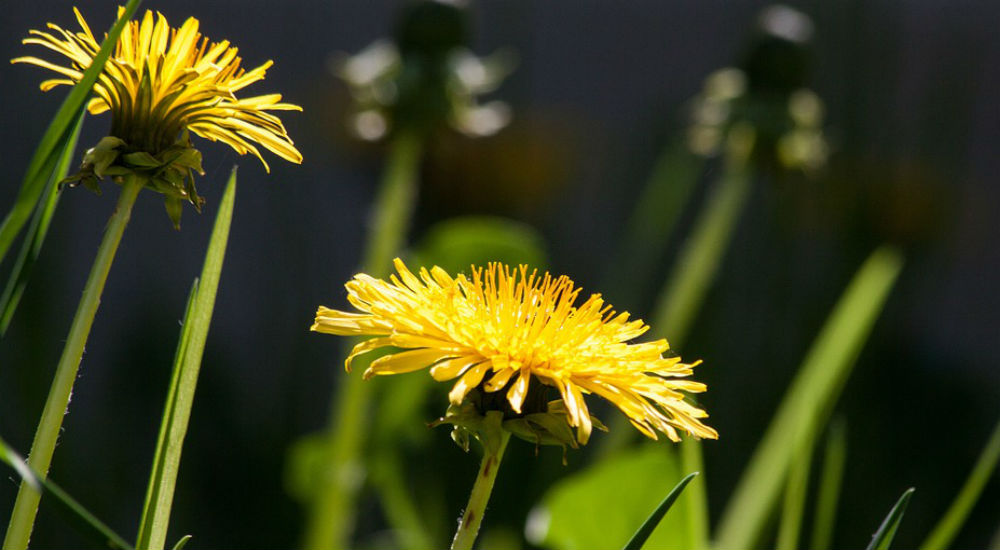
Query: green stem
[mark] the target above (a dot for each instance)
(22, 519)
(468, 526)
(331, 517)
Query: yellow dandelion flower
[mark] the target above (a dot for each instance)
(511, 331)
(161, 81)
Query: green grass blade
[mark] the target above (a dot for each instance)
(182, 542)
(44, 159)
(177, 410)
(695, 499)
(887, 531)
(85, 521)
(830, 480)
(37, 230)
(648, 526)
(809, 400)
(949, 525)
(793, 508)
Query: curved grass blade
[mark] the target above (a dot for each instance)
(184, 380)
(182, 543)
(809, 400)
(949, 525)
(887, 531)
(39, 227)
(830, 480)
(86, 522)
(44, 159)
(648, 526)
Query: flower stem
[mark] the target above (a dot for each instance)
(22, 519)
(468, 526)
(331, 517)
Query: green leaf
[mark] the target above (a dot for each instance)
(182, 543)
(793, 508)
(600, 506)
(56, 135)
(31, 247)
(457, 243)
(180, 397)
(84, 520)
(640, 536)
(949, 525)
(887, 531)
(830, 479)
(809, 399)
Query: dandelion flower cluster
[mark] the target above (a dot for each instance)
(508, 330)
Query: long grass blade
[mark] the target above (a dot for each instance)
(44, 159)
(84, 520)
(31, 247)
(793, 507)
(830, 480)
(809, 400)
(949, 525)
(887, 531)
(184, 380)
(648, 526)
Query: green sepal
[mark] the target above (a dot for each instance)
(174, 210)
(141, 159)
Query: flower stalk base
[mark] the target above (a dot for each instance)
(494, 439)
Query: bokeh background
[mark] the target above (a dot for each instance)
(600, 88)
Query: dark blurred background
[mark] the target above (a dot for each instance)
(911, 91)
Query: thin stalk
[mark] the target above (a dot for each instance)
(696, 497)
(468, 526)
(830, 480)
(22, 519)
(331, 517)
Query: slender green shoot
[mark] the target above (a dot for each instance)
(184, 380)
(648, 526)
(332, 512)
(950, 524)
(85, 521)
(22, 518)
(182, 542)
(44, 159)
(809, 400)
(494, 439)
(695, 499)
(887, 531)
(37, 229)
(793, 508)
(830, 480)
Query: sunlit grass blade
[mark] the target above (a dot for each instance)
(182, 542)
(830, 479)
(949, 525)
(793, 507)
(43, 161)
(809, 400)
(85, 521)
(37, 229)
(695, 499)
(887, 531)
(648, 526)
(180, 397)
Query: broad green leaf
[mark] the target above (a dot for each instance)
(457, 243)
(887, 531)
(639, 538)
(830, 480)
(602, 505)
(809, 399)
(184, 380)
(949, 525)
(31, 247)
(85, 521)
(44, 159)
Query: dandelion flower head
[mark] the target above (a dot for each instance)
(508, 332)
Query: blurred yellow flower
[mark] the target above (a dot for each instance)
(508, 329)
(161, 81)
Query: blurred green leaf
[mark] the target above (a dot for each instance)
(601, 505)
(457, 243)
(887, 531)
(182, 542)
(949, 525)
(85, 521)
(830, 479)
(809, 399)
(56, 135)
(184, 380)
(793, 507)
(639, 538)
(31, 247)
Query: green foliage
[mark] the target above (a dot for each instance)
(457, 243)
(882, 539)
(639, 538)
(830, 480)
